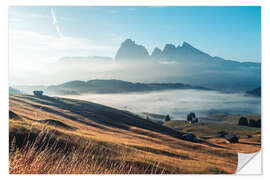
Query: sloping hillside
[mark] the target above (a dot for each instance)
(115, 136)
(111, 86)
(249, 137)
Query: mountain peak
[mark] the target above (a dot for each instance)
(157, 50)
(130, 50)
(187, 45)
(169, 47)
(194, 50)
(156, 53)
(128, 41)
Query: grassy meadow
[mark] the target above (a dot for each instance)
(50, 135)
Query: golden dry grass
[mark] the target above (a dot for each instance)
(33, 158)
(115, 138)
(209, 132)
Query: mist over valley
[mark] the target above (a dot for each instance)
(175, 81)
(178, 103)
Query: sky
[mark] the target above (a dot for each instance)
(43, 33)
(40, 35)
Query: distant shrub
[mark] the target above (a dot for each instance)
(252, 123)
(243, 121)
(259, 123)
(191, 116)
(167, 118)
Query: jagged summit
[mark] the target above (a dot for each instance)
(194, 50)
(169, 49)
(156, 53)
(185, 44)
(130, 50)
(128, 42)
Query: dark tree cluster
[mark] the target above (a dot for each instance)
(38, 93)
(243, 121)
(191, 118)
(167, 118)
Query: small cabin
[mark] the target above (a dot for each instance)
(38, 93)
(231, 138)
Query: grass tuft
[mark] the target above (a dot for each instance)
(42, 157)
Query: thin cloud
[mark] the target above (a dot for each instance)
(38, 16)
(41, 42)
(55, 23)
(53, 16)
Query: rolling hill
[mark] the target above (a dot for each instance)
(112, 137)
(106, 86)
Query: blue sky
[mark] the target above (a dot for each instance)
(41, 34)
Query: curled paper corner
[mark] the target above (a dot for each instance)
(249, 163)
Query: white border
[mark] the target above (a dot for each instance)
(138, 2)
(253, 166)
(4, 73)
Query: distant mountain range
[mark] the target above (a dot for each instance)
(129, 50)
(199, 67)
(107, 86)
(183, 63)
(254, 92)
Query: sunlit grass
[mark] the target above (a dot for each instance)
(73, 145)
(41, 157)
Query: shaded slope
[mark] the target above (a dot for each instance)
(98, 114)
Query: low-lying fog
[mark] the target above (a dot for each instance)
(177, 103)
(150, 71)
